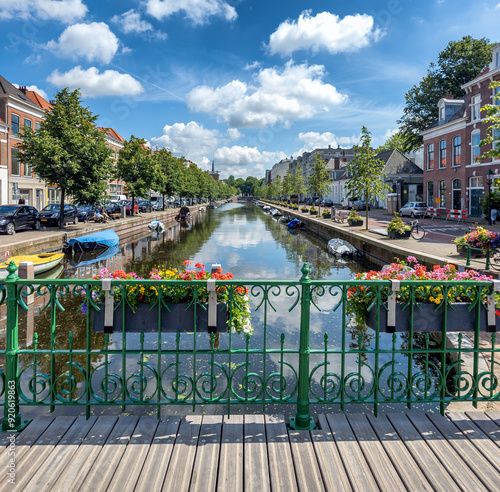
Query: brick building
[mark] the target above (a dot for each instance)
(116, 142)
(454, 176)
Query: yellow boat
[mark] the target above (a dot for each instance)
(42, 262)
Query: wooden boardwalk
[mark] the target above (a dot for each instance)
(413, 451)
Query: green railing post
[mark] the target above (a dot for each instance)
(303, 419)
(12, 416)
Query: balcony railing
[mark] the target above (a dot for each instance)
(305, 349)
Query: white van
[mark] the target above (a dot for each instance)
(117, 198)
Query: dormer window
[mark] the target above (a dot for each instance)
(441, 113)
(475, 108)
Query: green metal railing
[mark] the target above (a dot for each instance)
(306, 347)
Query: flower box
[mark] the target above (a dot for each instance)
(427, 318)
(178, 317)
(398, 235)
(327, 216)
(354, 223)
(313, 212)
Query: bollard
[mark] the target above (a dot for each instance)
(27, 271)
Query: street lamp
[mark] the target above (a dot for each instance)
(489, 180)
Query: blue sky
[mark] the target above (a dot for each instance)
(244, 82)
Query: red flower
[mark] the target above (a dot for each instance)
(200, 265)
(187, 262)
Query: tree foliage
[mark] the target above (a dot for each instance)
(366, 173)
(69, 151)
(395, 141)
(137, 168)
(457, 64)
(493, 132)
(298, 185)
(318, 182)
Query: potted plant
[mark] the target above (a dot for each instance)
(326, 214)
(137, 304)
(313, 211)
(304, 209)
(425, 304)
(354, 219)
(397, 229)
(461, 244)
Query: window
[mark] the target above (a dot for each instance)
(457, 150)
(430, 156)
(430, 193)
(496, 95)
(456, 194)
(16, 167)
(14, 122)
(441, 114)
(28, 123)
(476, 151)
(37, 125)
(497, 59)
(27, 170)
(442, 194)
(496, 140)
(475, 107)
(442, 153)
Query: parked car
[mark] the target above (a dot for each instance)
(144, 205)
(128, 207)
(347, 203)
(326, 203)
(359, 205)
(113, 208)
(50, 215)
(85, 212)
(413, 209)
(15, 217)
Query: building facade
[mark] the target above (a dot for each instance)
(455, 168)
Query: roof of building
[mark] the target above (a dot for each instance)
(7, 89)
(39, 100)
(396, 163)
(112, 133)
(460, 112)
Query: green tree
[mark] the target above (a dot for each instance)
(298, 182)
(137, 168)
(366, 173)
(69, 151)
(492, 119)
(457, 64)
(318, 181)
(395, 141)
(287, 184)
(167, 178)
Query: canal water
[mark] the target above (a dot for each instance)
(252, 245)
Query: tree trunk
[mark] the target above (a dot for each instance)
(132, 209)
(366, 212)
(163, 201)
(61, 209)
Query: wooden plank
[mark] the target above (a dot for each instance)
(205, 469)
(100, 474)
(35, 457)
(330, 464)
(462, 474)
(477, 437)
(306, 465)
(130, 467)
(357, 468)
(231, 455)
(408, 470)
(181, 462)
(381, 466)
(61, 455)
(256, 461)
(281, 463)
(156, 463)
(429, 464)
(480, 466)
(487, 425)
(74, 475)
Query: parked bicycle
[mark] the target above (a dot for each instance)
(417, 231)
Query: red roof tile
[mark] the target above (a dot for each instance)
(39, 100)
(112, 133)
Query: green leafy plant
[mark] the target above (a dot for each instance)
(304, 209)
(326, 213)
(354, 215)
(397, 225)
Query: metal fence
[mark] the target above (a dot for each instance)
(140, 346)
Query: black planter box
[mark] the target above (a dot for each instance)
(428, 319)
(354, 223)
(313, 212)
(327, 216)
(145, 319)
(398, 235)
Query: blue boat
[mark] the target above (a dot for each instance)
(91, 242)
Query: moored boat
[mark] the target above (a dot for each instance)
(91, 242)
(42, 262)
(156, 226)
(184, 215)
(340, 247)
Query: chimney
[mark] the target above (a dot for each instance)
(22, 88)
(449, 95)
(336, 163)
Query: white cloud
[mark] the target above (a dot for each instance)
(324, 31)
(66, 11)
(192, 141)
(497, 6)
(234, 134)
(33, 59)
(196, 10)
(293, 93)
(316, 140)
(390, 133)
(131, 22)
(244, 161)
(35, 89)
(93, 41)
(94, 84)
(252, 66)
